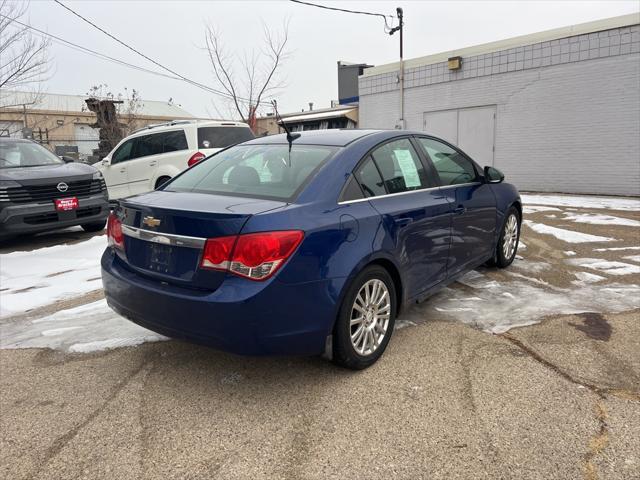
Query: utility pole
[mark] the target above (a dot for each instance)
(399, 12)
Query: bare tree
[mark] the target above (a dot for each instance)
(24, 61)
(249, 78)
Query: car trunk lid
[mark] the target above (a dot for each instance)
(165, 232)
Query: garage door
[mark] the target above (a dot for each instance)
(471, 129)
(87, 138)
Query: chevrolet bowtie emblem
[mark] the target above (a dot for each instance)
(150, 221)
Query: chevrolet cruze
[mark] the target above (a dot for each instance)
(307, 245)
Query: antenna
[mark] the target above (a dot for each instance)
(290, 136)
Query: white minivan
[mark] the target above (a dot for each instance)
(150, 156)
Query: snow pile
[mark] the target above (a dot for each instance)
(87, 328)
(33, 279)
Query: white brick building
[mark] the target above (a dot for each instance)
(556, 111)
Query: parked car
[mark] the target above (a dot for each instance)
(155, 154)
(39, 191)
(265, 250)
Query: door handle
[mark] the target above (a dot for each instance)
(403, 222)
(152, 164)
(123, 170)
(459, 210)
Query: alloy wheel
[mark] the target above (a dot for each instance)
(510, 237)
(370, 314)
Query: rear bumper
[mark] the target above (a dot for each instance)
(16, 219)
(241, 316)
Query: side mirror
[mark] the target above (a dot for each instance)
(66, 159)
(493, 175)
(106, 161)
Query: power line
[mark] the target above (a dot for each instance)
(192, 82)
(88, 50)
(344, 10)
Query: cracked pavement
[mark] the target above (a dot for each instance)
(555, 400)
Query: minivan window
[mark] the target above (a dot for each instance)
(222, 137)
(174, 141)
(148, 145)
(123, 153)
(261, 171)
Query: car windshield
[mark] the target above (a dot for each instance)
(25, 154)
(262, 171)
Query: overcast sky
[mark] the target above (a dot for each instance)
(172, 32)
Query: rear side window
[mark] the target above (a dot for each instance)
(222, 137)
(400, 166)
(148, 145)
(174, 141)
(351, 190)
(260, 171)
(452, 167)
(370, 179)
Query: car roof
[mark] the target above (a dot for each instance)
(176, 124)
(333, 137)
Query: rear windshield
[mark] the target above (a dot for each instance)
(25, 154)
(222, 137)
(261, 171)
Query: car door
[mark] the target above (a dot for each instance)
(115, 170)
(147, 150)
(417, 217)
(472, 201)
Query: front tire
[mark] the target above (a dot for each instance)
(94, 227)
(508, 241)
(366, 319)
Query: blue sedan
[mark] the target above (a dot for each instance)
(309, 245)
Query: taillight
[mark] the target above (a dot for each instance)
(114, 232)
(195, 158)
(256, 256)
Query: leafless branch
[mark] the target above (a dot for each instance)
(258, 77)
(25, 63)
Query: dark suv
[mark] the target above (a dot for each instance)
(40, 192)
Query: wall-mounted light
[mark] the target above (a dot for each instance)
(454, 63)
(60, 122)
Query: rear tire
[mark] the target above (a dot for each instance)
(366, 319)
(508, 241)
(94, 227)
(161, 181)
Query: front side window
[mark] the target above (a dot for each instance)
(400, 166)
(123, 153)
(25, 154)
(262, 171)
(222, 137)
(452, 167)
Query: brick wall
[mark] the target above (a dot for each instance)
(568, 110)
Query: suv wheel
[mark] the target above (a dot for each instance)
(366, 319)
(161, 181)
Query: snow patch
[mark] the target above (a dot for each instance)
(86, 328)
(570, 253)
(599, 219)
(539, 208)
(615, 249)
(40, 277)
(633, 258)
(568, 236)
(606, 266)
(519, 303)
(579, 201)
(586, 277)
